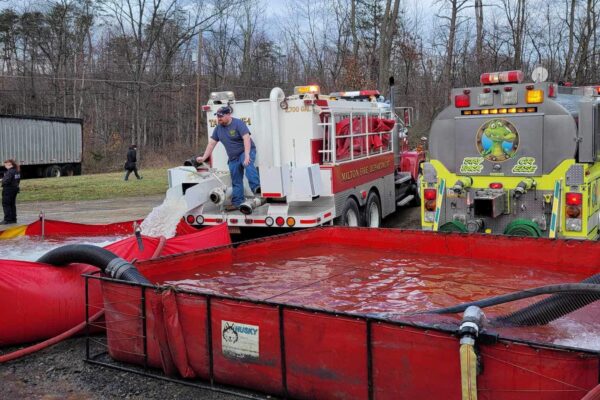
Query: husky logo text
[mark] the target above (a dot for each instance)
(497, 140)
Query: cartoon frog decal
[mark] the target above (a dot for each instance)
(497, 140)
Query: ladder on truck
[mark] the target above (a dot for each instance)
(357, 149)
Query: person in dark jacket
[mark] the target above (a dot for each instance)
(131, 164)
(10, 188)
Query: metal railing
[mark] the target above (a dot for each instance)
(340, 148)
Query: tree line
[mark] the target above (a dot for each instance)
(132, 69)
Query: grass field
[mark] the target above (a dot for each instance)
(94, 187)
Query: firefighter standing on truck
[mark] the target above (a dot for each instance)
(235, 136)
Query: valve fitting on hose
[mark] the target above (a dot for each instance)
(462, 183)
(470, 327)
(249, 205)
(523, 187)
(219, 195)
(471, 324)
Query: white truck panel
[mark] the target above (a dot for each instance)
(306, 183)
(275, 180)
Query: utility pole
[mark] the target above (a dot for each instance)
(198, 74)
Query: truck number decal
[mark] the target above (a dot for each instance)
(471, 165)
(525, 165)
(297, 109)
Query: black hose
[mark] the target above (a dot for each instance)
(109, 263)
(574, 289)
(551, 308)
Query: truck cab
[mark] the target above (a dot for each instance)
(515, 158)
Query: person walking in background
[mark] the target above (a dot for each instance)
(131, 163)
(10, 188)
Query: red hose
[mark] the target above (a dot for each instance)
(159, 248)
(593, 394)
(47, 343)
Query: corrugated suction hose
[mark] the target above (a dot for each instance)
(111, 264)
(551, 308)
(566, 298)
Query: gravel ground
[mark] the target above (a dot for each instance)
(60, 372)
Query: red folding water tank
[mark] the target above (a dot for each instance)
(332, 313)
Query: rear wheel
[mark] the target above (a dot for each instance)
(53, 171)
(350, 214)
(416, 201)
(67, 170)
(373, 211)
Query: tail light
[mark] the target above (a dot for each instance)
(430, 194)
(190, 219)
(462, 100)
(573, 204)
(290, 221)
(279, 221)
(573, 211)
(496, 185)
(430, 205)
(574, 199)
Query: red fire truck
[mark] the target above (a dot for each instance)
(341, 158)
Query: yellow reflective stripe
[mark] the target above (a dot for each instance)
(441, 191)
(11, 233)
(555, 204)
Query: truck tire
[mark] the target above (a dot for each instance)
(350, 214)
(416, 201)
(53, 171)
(373, 211)
(67, 170)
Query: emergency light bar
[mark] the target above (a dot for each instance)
(310, 89)
(493, 78)
(222, 96)
(356, 93)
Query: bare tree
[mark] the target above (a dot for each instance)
(388, 31)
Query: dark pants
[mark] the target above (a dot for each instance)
(129, 171)
(9, 203)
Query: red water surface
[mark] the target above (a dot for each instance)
(384, 283)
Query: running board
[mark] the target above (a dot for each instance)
(405, 200)
(403, 178)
